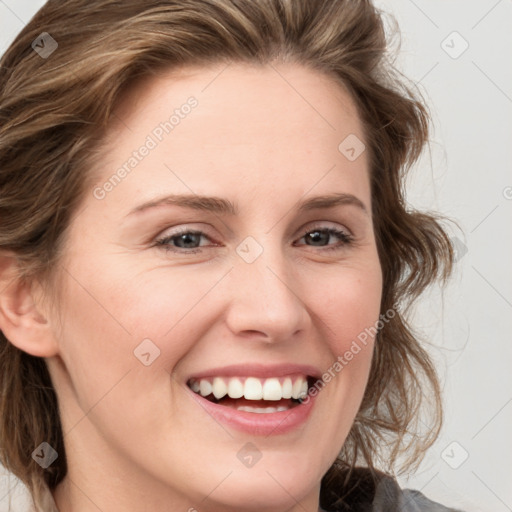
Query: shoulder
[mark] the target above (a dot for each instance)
(363, 490)
(388, 496)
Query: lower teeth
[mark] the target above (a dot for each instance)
(247, 408)
(260, 408)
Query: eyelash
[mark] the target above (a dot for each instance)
(345, 237)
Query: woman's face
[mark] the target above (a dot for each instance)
(165, 289)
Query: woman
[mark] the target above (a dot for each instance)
(206, 259)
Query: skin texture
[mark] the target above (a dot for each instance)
(264, 138)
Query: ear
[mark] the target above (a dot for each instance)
(22, 320)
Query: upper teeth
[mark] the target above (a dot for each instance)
(252, 388)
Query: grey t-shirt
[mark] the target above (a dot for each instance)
(376, 492)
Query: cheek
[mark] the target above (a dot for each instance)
(348, 305)
(111, 319)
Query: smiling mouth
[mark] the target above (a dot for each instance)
(253, 394)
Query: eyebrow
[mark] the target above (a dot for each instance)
(223, 206)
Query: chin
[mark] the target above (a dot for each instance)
(247, 496)
(275, 484)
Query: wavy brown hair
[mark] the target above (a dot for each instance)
(55, 111)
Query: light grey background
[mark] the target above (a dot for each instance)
(466, 176)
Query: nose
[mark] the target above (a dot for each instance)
(266, 300)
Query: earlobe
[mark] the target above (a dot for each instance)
(22, 321)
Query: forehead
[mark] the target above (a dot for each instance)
(249, 124)
(237, 83)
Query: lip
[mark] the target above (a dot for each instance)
(266, 424)
(255, 370)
